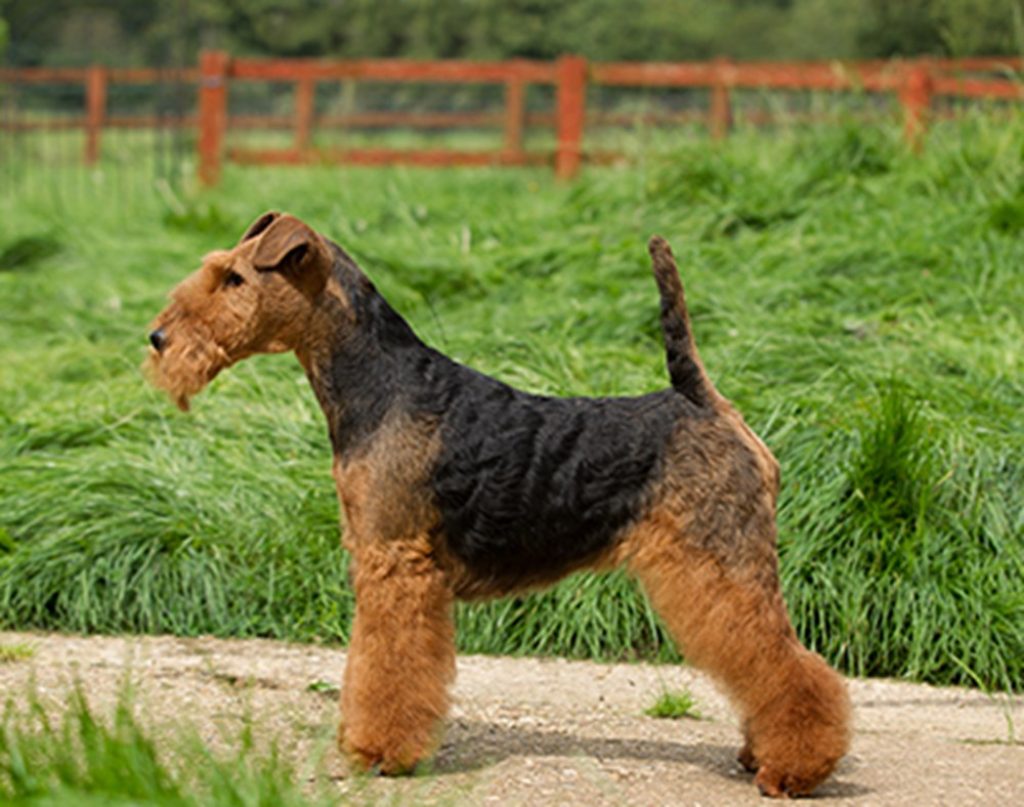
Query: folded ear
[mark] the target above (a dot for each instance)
(259, 225)
(288, 245)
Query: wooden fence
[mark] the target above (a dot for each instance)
(914, 84)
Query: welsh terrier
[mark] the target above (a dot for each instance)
(455, 485)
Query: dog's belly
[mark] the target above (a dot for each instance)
(530, 488)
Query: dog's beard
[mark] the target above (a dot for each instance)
(183, 371)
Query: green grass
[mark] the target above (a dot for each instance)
(80, 759)
(674, 705)
(860, 305)
(15, 651)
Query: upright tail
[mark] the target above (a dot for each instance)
(684, 365)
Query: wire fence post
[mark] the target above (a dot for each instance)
(721, 104)
(213, 114)
(305, 98)
(95, 111)
(916, 97)
(571, 111)
(515, 106)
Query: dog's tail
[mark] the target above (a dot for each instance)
(684, 365)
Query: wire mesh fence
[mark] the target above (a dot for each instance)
(76, 126)
(72, 125)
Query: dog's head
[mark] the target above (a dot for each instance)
(255, 298)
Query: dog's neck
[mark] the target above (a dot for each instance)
(359, 355)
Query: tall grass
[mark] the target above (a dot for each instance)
(861, 305)
(82, 759)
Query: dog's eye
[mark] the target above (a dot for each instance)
(233, 279)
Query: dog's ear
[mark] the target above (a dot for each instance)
(288, 245)
(259, 225)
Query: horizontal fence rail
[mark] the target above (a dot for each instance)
(914, 84)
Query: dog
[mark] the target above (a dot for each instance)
(454, 485)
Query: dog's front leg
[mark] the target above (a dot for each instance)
(401, 657)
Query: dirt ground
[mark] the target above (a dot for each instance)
(537, 731)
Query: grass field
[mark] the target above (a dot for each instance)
(862, 307)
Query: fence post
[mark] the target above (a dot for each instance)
(305, 97)
(213, 113)
(916, 97)
(721, 107)
(571, 109)
(95, 111)
(515, 106)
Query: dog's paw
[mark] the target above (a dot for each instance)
(747, 759)
(771, 783)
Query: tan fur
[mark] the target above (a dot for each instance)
(210, 327)
(794, 707)
(383, 491)
(402, 651)
(401, 656)
(706, 557)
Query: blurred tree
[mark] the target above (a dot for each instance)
(284, 27)
(667, 30)
(899, 28)
(512, 28)
(119, 31)
(980, 26)
(821, 29)
(438, 28)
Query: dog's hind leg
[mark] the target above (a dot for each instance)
(401, 657)
(733, 624)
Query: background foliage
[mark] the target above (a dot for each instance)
(127, 31)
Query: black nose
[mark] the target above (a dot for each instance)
(158, 339)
